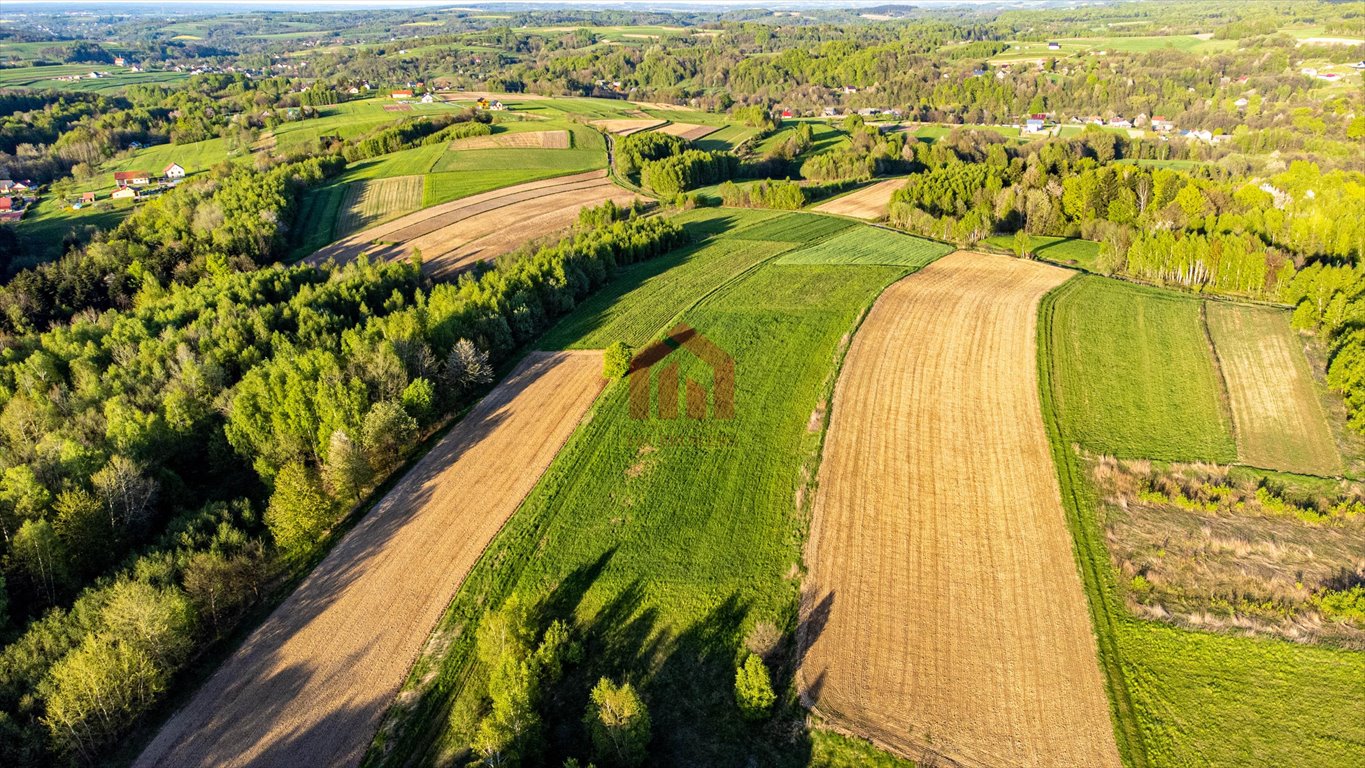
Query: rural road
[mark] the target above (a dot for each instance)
(943, 614)
(310, 685)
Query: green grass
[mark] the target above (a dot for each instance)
(405, 162)
(317, 219)
(588, 152)
(43, 228)
(1062, 250)
(668, 541)
(871, 246)
(1136, 372)
(726, 138)
(1183, 698)
(444, 187)
(45, 77)
(803, 228)
(195, 157)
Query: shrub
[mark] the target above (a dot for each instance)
(618, 723)
(616, 361)
(754, 689)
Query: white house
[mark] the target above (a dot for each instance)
(124, 192)
(173, 171)
(427, 98)
(1161, 124)
(1054, 46)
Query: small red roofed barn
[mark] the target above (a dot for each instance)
(132, 178)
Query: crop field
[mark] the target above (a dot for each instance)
(868, 203)
(870, 246)
(317, 218)
(454, 235)
(801, 228)
(689, 131)
(515, 140)
(582, 150)
(194, 157)
(311, 683)
(727, 138)
(46, 77)
(946, 615)
(404, 162)
(601, 533)
(1280, 421)
(370, 202)
(1062, 250)
(1136, 369)
(1176, 691)
(626, 126)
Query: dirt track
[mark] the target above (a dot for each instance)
(453, 235)
(309, 686)
(943, 614)
(869, 203)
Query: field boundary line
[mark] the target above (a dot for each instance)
(1224, 394)
(1088, 548)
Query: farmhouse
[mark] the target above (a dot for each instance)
(1161, 124)
(173, 171)
(132, 178)
(123, 193)
(119, 61)
(427, 98)
(1035, 123)
(89, 197)
(405, 94)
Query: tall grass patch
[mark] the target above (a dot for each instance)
(870, 246)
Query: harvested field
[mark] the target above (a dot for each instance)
(1280, 422)
(454, 235)
(397, 107)
(943, 614)
(869, 203)
(371, 201)
(309, 686)
(626, 126)
(515, 140)
(689, 131)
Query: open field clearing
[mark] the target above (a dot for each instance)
(626, 126)
(371, 201)
(1135, 368)
(689, 131)
(601, 533)
(868, 203)
(946, 615)
(454, 235)
(1072, 251)
(801, 228)
(1176, 691)
(870, 245)
(515, 140)
(727, 138)
(309, 686)
(1280, 421)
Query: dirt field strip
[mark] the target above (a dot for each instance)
(1280, 420)
(869, 203)
(943, 614)
(626, 126)
(689, 131)
(310, 685)
(373, 200)
(517, 140)
(453, 234)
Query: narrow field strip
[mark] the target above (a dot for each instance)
(310, 685)
(626, 126)
(869, 203)
(372, 201)
(515, 140)
(870, 246)
(1275, 407)
(943, 614)
(689, 131)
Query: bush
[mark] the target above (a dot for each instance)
(616, 361)
(754, 689)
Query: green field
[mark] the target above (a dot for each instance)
(49, 222)
(1135, 369)
(803, 228)
(46, 77)
(670, 541)
(1183, 698)
(1062, 250)
(318, 209)
(727, 138)
(871, 246)
(587, 152)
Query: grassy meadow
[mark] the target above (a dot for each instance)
(673, 544)
(871, 246)
(1135, 371)
(1071, 251)
(1174, 691)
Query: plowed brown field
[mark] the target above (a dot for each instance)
(689, 131)
(869, 203)
(309, 686)
(454, 235)
(943, 615)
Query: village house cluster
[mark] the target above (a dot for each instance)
(15, 199)
(138, 185)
